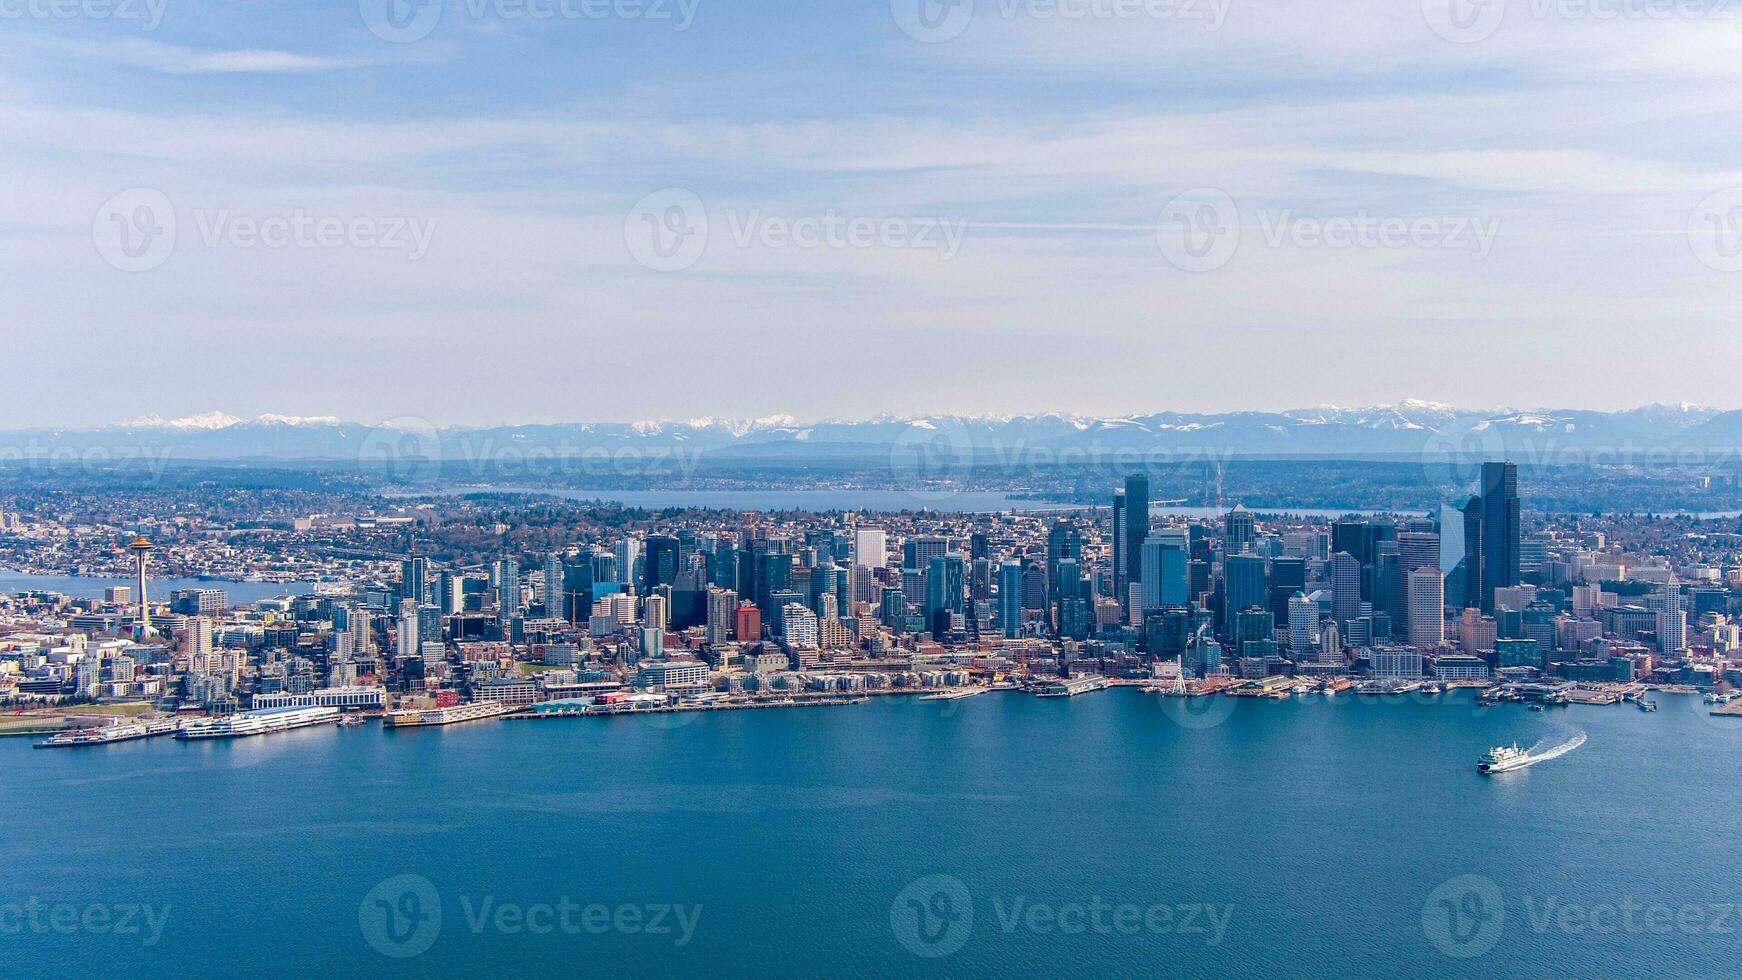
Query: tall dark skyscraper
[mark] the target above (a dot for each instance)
(1120, 592)
(1244, 587)
(1239, 530)
(1491, 536)
(1136, 529)
(1062, 541)
(662, 562)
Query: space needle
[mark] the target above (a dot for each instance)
(141, 549)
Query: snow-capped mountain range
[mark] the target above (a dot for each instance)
(1410, 427)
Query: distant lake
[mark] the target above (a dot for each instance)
(80, 587)
(967, 501)
(1321, 512)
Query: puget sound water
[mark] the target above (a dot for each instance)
(1113, 834)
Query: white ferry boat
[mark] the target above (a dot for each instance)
(476, 711)
(1503, 758)
(125, 731)
(260, 722)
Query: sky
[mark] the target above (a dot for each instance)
(488, 211)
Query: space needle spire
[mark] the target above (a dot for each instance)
(141, 549)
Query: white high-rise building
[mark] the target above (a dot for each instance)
(1672, 619)
(552, 593)
(653, 614)
(197, 641)
(722, 608)
(870, 547)
(1427, 608)
(798, 626)
(408, 628)
(628, 551)
(1303, 626)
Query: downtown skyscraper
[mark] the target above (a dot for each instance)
(1491, 536)
(1135, 528)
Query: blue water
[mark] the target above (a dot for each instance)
(1318, 833)
(80, 587)
(963, 501)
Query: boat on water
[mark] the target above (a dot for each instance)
(1645, 705)
(125, 731)
(1503, 758)
(1537, 707)
(422, 717)
(262, 721)
(350, 721)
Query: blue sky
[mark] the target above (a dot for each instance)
(1003, 189)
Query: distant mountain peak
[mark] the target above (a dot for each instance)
(207, 420)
